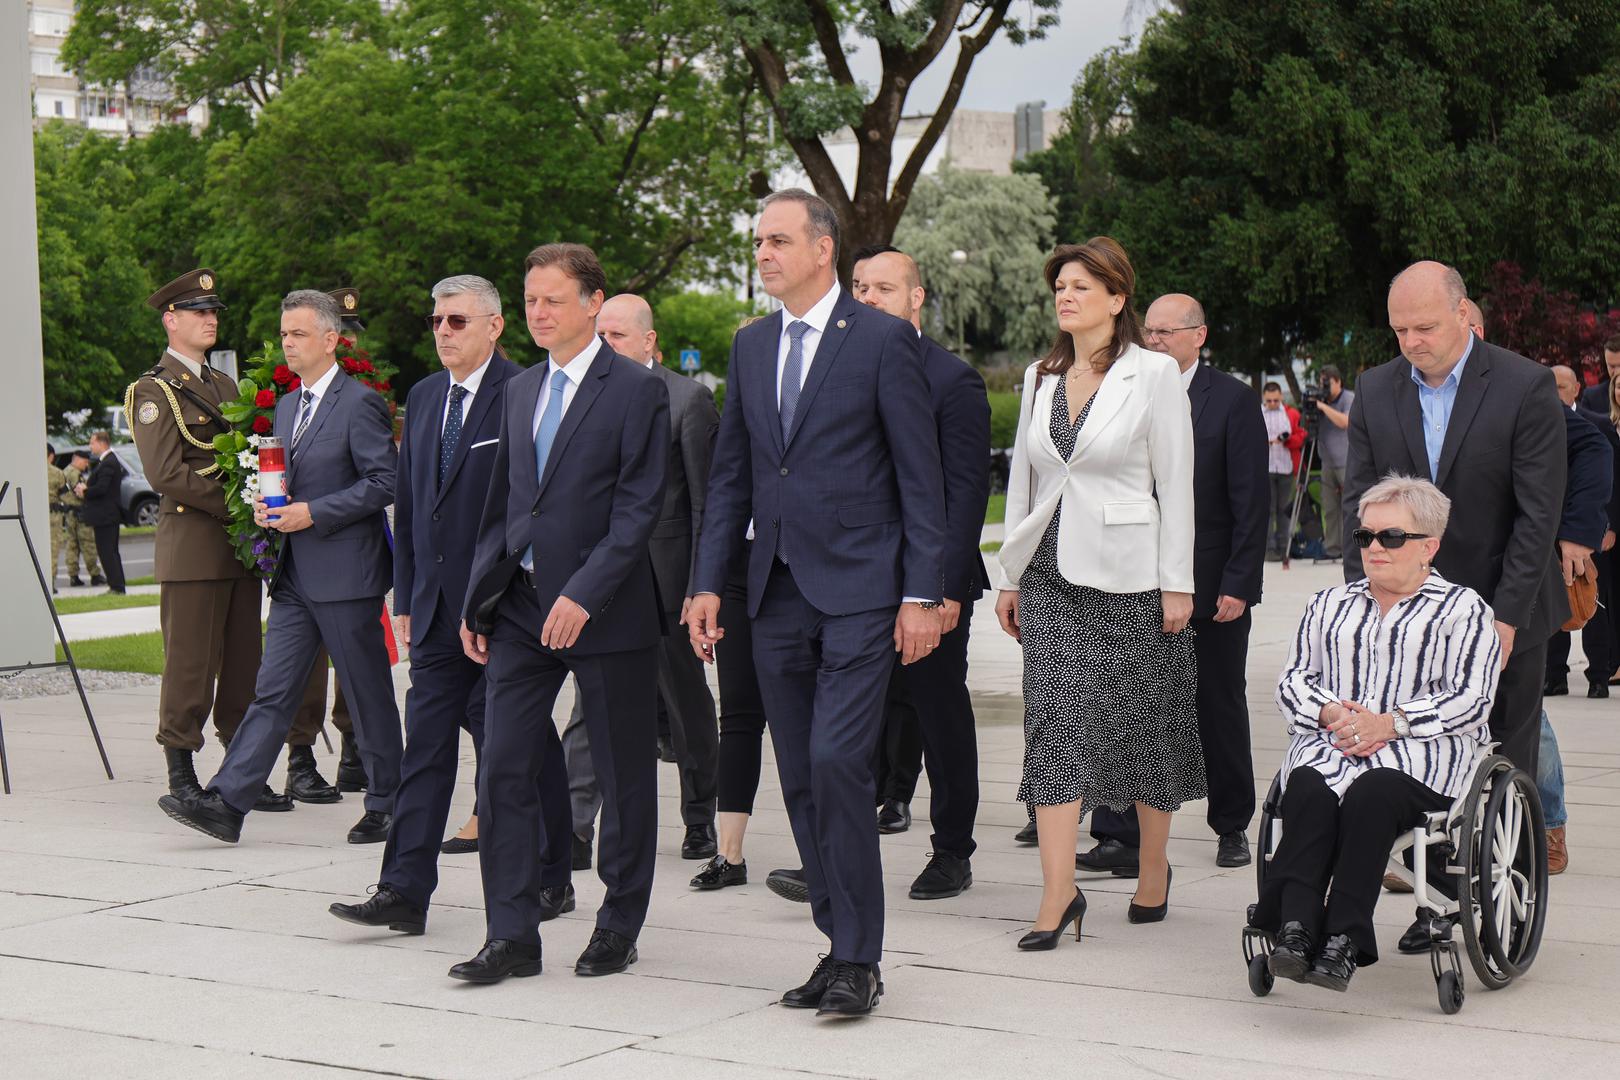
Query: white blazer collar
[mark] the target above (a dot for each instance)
(1111, 396)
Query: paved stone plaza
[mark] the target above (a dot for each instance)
(132, 948)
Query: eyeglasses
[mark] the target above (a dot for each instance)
(1391, 539)
(457, 322)
(1165, 331)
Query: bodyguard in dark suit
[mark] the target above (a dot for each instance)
(452, 428)
(929, 706)
(626, 325)
(561, 583)
(102, 511)
(1230, 507)
(827, 443)
(334, 567)
(1596, 398)
(1483, 424)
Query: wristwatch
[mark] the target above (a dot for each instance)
(1403, 726)
(927, 605)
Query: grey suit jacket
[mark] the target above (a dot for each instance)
(693, 421)
(344, 469)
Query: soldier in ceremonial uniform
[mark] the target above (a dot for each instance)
(209, 603)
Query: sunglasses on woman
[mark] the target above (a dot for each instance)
(457, 322)
(1391, 539)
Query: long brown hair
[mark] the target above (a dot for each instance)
(1106, 261)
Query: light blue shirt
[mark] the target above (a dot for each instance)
(1437, 403)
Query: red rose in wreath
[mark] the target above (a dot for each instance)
(261, 425)
(264, 399)
(283, 374)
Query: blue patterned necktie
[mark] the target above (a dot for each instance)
(306, 412)
(550, 421)
(452, 432)
(792, 374)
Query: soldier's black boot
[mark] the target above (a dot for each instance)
(351, 774)
(304, 781)
(182, 774)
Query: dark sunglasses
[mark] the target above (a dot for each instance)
(457, 322)
(1391, 539)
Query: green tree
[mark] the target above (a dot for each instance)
(705, 321)
(1003, 224)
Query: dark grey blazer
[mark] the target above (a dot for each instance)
(344, 469)
(1503, 464)
(693, 421)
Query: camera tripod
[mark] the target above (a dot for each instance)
(1302, 477)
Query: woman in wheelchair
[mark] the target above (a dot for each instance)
(1387, 692)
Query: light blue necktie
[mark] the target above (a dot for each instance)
(792, 374)
(550, 421)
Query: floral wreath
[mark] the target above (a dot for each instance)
(252, 415)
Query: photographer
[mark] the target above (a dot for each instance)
(1333, 442)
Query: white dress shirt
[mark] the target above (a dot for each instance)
(1187, 376)
(471, 386)
(317, 390)
(816, 318)
(576, 371)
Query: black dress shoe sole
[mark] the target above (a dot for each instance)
(412, 928)
(707, 851)
(1026, 838)
(851, 1011)
(1231, 861)
(546, 914)
(206, 828)
(1326, 981)
(322, 799)
(592, 970)
(724, 882)
(458, 846)
(890, 828)
(1117, 871)
(943, 894)
(349, 787)
(277, 805)
(1288, 965)
(517, 971)
(788, 889)
(369, 837)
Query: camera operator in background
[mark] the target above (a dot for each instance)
(1333, 443)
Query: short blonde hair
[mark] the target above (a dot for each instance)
(1428, 505)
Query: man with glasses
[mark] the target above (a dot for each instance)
(1230, 508)
(452, 427)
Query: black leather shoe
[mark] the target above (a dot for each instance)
(1334, 964)
(1292, 952)
(1027, 835)
(207, 813)
(1555, 687)
(1416, 940)
(384, 908)
(699, 843)
(607, 954)
(498, 959)
(458, 846)
(582, 853)
(556, 900)
(98, 579)
(1597, 690)
(1141, 913)
(1109, 857)
(945, 876)
(1232, 849)
(372, 828)
(893, 816)
(1046, 940)
(272, 802)
(666, 750)
(808, 994)
(720, 873)
(351, 774)
(77, 582)
(304, 781)
(789, 885)
(182, 774)
(852, 990)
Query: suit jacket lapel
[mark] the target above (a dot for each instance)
(469, 422)
(584, 395)
(1198, 391)
(323, 408)
(1470, 392)
(520, 430)
(1409, 418)
(833, 336)
(1112, 395)
(766, 395)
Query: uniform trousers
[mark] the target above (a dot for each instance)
(211, 648)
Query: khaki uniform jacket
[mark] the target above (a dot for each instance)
(192, 542)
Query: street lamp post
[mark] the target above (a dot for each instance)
(960, 258)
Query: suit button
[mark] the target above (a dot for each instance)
(534, 513)
(438, 558)
(775, 524)
(435, 517)
(784, 470)
(179, 509)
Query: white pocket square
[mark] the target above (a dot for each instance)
(486, 442)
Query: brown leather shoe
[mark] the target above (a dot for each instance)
(1557, 851)
(1392, 883)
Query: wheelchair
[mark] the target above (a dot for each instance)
(1492, 841)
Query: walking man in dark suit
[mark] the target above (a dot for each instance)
(1230, 505)
(626, 325)
(333, 569)
(828, 444)
(561, 583)
(1484, 425)
(102, 511)
(452, 427)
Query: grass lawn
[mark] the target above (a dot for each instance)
(147, 580)
(992, 547)
(138, 530)
(141, 653)
(996, 512)
(78, 605)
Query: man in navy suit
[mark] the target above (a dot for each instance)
(1230, 504)
(561, 583)
(334, 567)
(827, 443)
(452, 427)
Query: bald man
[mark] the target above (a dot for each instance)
(1485, 425)
(626, 324)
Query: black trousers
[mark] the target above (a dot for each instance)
(742, 711)
(1516, 714)
(1343, 844)
(112, 563)
(929, 707)
(446, 694)
(525, 837)
(1223, 729)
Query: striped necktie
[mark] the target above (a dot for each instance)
(792, 374)
(306, 412)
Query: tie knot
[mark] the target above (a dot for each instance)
(559, 380)
(307, 398)
(457, 393)
(797, 329)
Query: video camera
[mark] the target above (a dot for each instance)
(1310, 407)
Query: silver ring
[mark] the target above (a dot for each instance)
(1358, 739)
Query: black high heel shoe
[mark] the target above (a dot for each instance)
(1039, 940)
(1139, 913)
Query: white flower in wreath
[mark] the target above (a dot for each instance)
(247, 495)
(247, 459)
(253, 441)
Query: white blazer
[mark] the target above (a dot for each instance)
(1127, 491)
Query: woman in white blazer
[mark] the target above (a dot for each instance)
(1096, 580)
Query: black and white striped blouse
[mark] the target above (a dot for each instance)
(1436, 655)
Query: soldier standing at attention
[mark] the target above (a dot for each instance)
(77, 537)
(209, 604)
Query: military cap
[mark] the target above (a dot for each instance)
(191, 291)
(348, 302)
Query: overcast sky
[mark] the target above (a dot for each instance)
(1006, 75)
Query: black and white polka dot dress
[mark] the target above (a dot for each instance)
(1109, 710)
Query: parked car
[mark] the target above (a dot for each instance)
(136, 498)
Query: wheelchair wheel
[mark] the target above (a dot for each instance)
(1261, 980)
(1450, 987)
(1267, 841)
(1503, 853)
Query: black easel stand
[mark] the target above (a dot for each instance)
(67, 651)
